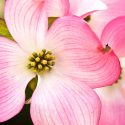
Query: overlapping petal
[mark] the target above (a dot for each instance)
(13, 79)
(114, 9)
(114, 35)
(122, 61)
(113, 105)
(57, 8)
(58, 101)
(83, 7)
(122, 82)
(79, 53)
(26, 22)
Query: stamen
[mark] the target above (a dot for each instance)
(37, 59)
(44, 50)
(46, 68)
(44, 62)
(40, 66)
(31, 58)
(47, 56)
(49, 52)
(35, 54)
(51, 63)
(52, 57)
(33, 64)
(41, 62)
(41, 54)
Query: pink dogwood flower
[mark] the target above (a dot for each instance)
(68, 57)
(100, 19)
(112, 97)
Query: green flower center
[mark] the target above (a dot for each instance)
(41, 62)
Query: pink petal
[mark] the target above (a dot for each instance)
(122, 61)
(58, 101)
(27, 22)
(13, 79)
(57, 8)
(113, 105)
(101, 18)
(81, 7)
(122, 81)
(79, 53)
(114, 35)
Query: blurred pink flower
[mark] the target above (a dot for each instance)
(113, 97)
(101, 18)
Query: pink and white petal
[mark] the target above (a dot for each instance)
(27, 22)
(114, 35)
(79, 54)
(83, 7)
(122, 61)
(122, 80)
(57, 8)
(13, 79)
(113, 105)
(99, 20)
(58, 101)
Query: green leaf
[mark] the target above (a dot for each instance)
(51, 20)
(31, 87)
(4, 30)
(2, 2)
(33, 83)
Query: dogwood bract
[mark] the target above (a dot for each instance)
(112, 97)
(65, 58)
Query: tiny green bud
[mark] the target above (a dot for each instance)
(46, 68)
(53, 57)
(49, 52)
(41, 54)
(40, 66)
(47, 56)
(33, 64)
(44, 62)
(31, 58)
(44, 50)
(37, 59)
(51, 63)
(34, 54)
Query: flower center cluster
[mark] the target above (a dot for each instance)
(42, 61)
